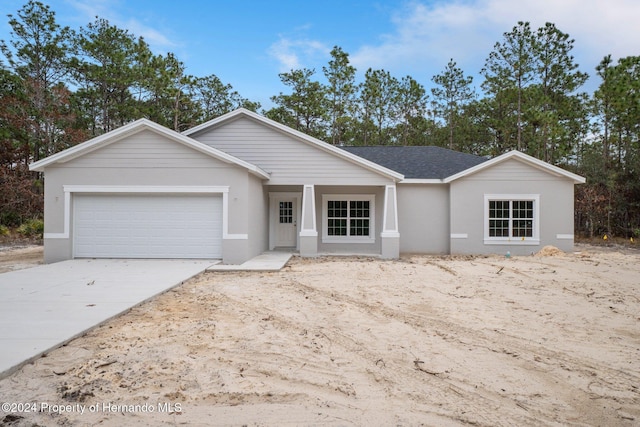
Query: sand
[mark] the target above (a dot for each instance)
(550, 339)
(18, 258)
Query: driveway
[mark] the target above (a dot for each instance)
(43, 307)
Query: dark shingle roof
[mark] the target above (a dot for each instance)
(418, 162)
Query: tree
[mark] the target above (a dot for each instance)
(39, 56)
(341, 92)
(305, 109)
(108, 65)
(453, 93)
(411, 110)
(559, 113)
(603, 98)
(509, 68)
(167, 93)
(534, 75)
(214, 98)
(625, 84)
(378, 107)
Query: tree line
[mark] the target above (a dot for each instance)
(60, 86)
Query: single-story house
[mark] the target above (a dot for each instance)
(242, 184)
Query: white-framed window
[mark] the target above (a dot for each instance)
(348, 218)
(512, 219)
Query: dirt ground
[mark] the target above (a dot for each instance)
(551, 339)
(16, 258)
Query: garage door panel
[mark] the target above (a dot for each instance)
(147, 226)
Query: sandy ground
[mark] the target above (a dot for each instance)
(17, 258)
(487, 341)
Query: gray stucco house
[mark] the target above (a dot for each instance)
(242, 184)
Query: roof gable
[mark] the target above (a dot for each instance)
(136, 127)
(521, 157)
(297, 135)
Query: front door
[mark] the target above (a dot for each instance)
(286, 223)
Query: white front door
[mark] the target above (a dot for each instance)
(286, 222)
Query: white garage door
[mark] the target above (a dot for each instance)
(147, 226)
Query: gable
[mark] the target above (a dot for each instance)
(144, 149)
(512, 170)
(518, 167)
(141, 136)
(287, 158)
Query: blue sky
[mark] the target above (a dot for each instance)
(247, 43)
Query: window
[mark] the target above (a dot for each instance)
(286, 212)
(348, 218)
(512, 218)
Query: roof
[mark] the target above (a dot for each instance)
(136, 127)
(521, 157)
(380, 168)
(418, 162)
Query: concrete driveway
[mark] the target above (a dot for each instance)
(43, 307)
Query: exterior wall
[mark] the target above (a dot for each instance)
(258, 220)
(290, 161)
(143, 159)
(556, 210)
(423, 218)
(374, 248)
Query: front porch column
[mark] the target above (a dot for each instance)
(308, 230)
(390, 236)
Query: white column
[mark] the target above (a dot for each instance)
(308, 229)
(390, 236)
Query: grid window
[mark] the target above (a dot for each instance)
(359, 218)
(348, 218)
(337, 215)
(499, 218)
(286, 212)
(511, 218)
(522, 222)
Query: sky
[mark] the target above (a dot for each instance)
(248, 43)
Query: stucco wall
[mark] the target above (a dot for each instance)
(423, 218)
(258, 217)
(512, 177)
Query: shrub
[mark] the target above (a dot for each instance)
(4, 230)
(32, 228)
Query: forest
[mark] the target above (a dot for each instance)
(61, 86)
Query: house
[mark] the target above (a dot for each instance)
(242, 184)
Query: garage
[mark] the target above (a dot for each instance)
(147, 226)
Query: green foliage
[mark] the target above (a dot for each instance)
(450, 96)
(306, 108)
(532, 80)
(108, 64)
(341, 95)
(4, 231)
(33, 228)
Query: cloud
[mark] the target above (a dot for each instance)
(426, 35)
(154, 37)
(108, 9)
(293, 54)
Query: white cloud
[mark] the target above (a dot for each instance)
(108, 9)
(153, 36)
(293, 54)
(427, 35)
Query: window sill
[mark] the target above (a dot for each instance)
(347, 240)
(516, 241)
